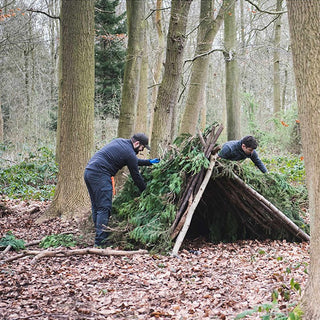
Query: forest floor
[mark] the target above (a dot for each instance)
(206, 281)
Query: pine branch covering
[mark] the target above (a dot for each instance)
(149, 220)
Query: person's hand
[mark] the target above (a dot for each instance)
(155, 160)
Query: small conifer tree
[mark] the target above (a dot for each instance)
(110, 56)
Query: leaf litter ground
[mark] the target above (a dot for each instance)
(208, 281)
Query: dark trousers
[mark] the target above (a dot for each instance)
(100, 190)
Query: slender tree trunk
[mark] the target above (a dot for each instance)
(232, 75)
(53, 50)
(157, 66)
(276, 63)
(208, 28)
(131, 79)
(76, 101)
(162, 133)
(284, 90)
(304, 21)
(1, 125)
(142, 106)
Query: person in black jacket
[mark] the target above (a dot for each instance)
(104, 164)
(242, 149)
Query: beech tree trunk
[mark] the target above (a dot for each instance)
(304, 21)
(276, 64)
(76, 102)
(131, 79)
(208, 28)
(232, 75)
(165, 109)
(157, 65)
(142, 105)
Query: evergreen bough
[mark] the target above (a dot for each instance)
(147, 218)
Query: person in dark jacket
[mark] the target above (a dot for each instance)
(242, 149)
(104, 164)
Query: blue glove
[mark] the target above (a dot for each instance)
(156, 160)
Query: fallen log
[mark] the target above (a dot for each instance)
(74, 252)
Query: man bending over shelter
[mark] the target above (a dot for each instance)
(104, 164)
(242, 149)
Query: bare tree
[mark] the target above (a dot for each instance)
(165, 109)
(304, 21)
(131, 81)
(157, 64)
(76, 99)
(208, 28)
(232, 75)
(276, 63)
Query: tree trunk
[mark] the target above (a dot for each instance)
(131, 79)
(276, 64)
(76, 102)
(1, 125)
(156, 72)
(232, 75)
(164, 112)
(304, 21)
(142, 106)
(208, 28)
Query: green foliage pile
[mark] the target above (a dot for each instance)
(10, 240)
(32, 178)
(58, 240)
(150, 216)
(147, 218)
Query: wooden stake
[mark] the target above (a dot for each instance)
(193, 207)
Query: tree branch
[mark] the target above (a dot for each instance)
(265, 27)
(48, 15)
(204, 54)
(265, 11)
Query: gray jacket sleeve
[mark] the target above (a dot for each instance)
(257, 161)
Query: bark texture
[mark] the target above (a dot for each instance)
(158, 63)
(232, 75)
(1, 124)
(131, 79)
(276, 63)
(76, 101)
(165, 109)
(208, 28)
(304, 21)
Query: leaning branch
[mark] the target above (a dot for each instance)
(193, 207)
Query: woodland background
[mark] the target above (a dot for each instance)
(29, 62)
(250, 89)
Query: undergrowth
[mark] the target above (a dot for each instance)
(10, 240)
(32, 178)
